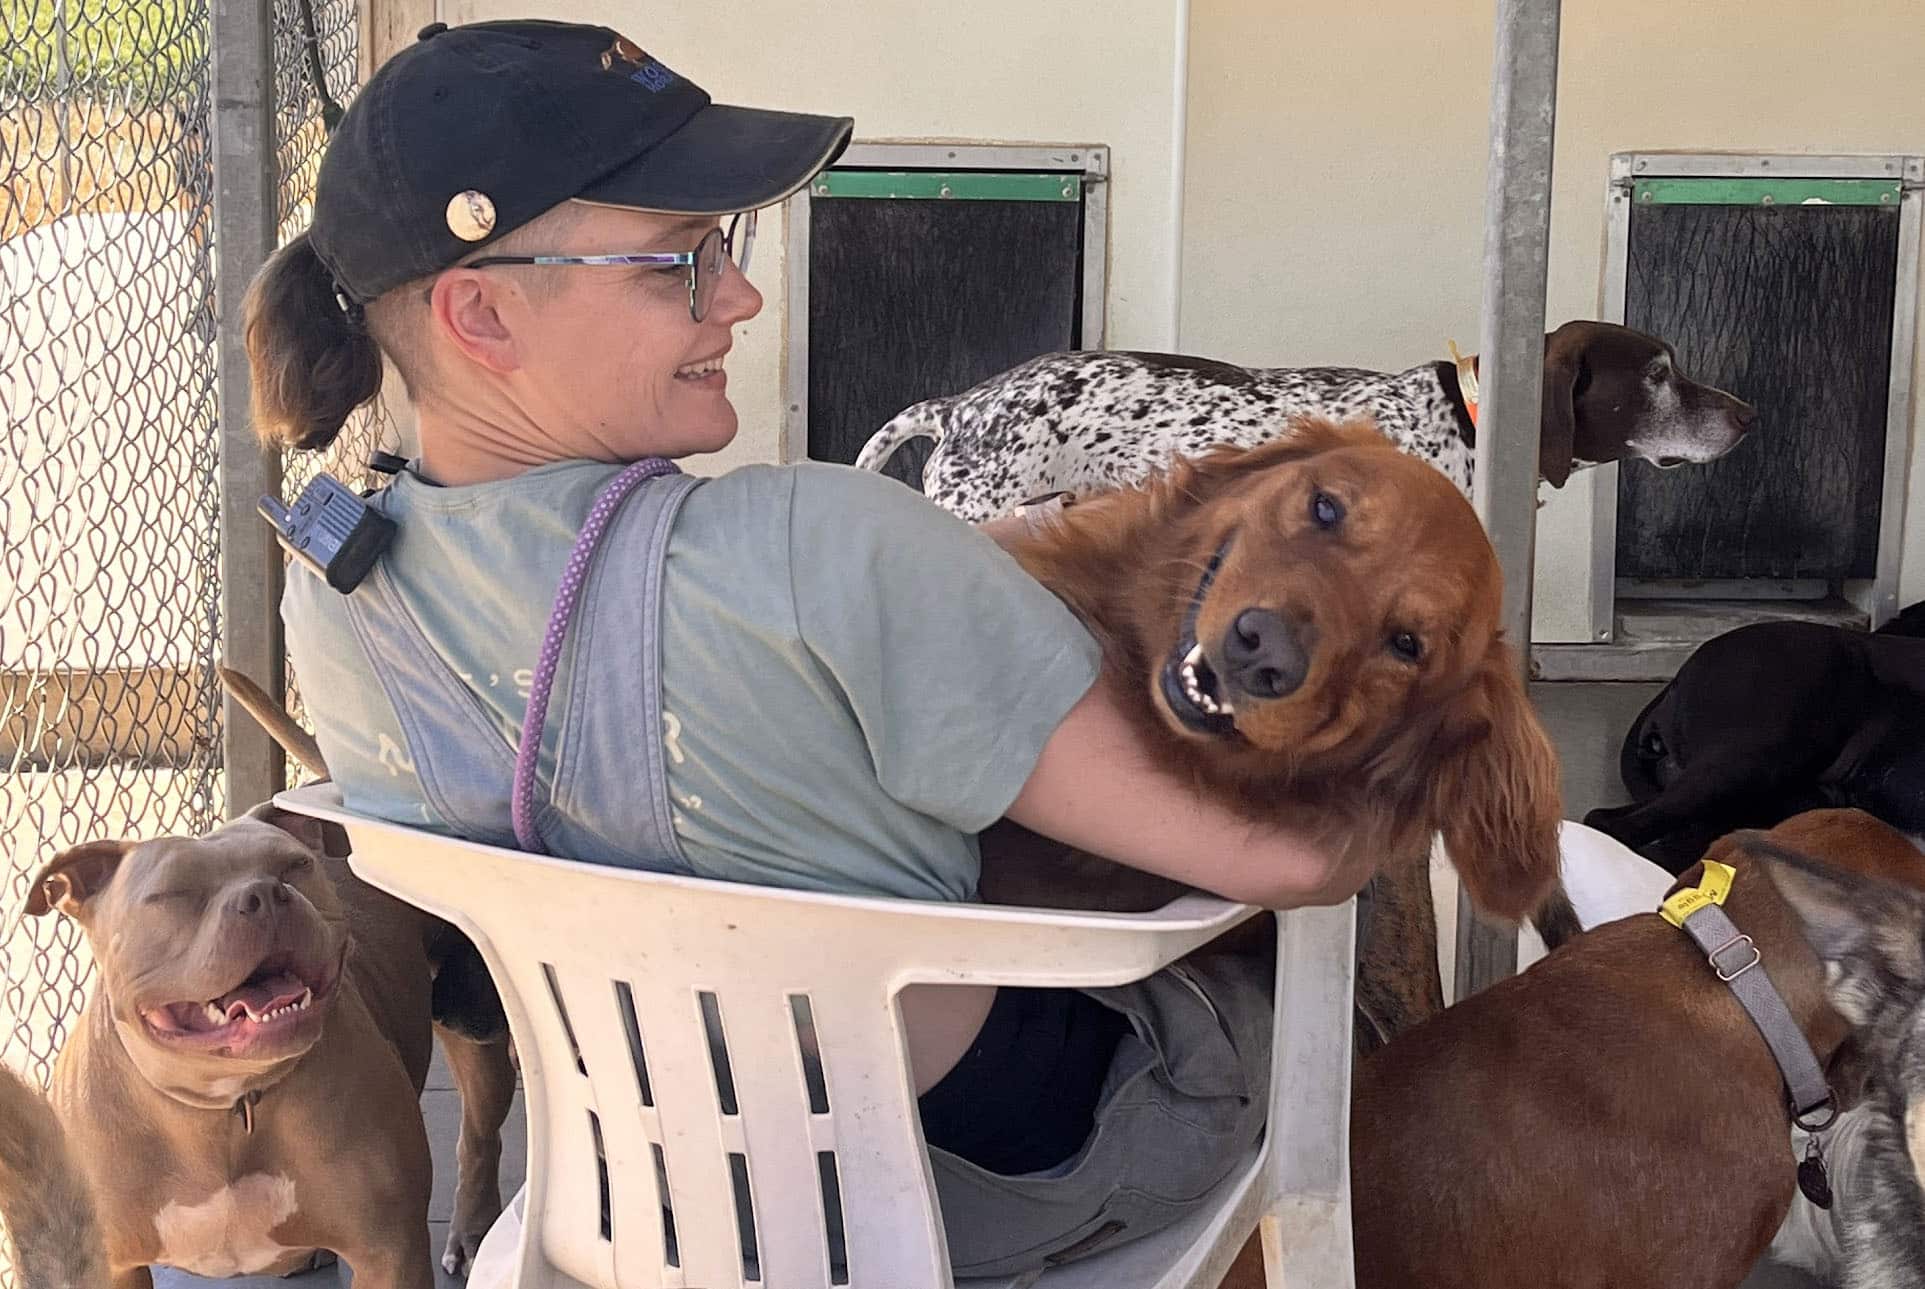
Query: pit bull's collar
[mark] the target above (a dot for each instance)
(245, 1109)
(241, 1105)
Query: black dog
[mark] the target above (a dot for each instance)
(1770, 720)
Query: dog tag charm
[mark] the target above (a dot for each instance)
(1812, 1178)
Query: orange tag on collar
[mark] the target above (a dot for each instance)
(1466, 379)
(1712, 890)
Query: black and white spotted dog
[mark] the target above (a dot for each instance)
(1072, 422)
(1871, 937)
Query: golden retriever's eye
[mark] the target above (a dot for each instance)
(1406, 646)
(1325, 510)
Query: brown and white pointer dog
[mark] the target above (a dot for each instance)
(1089, 420)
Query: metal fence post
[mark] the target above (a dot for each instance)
(245, 228)
(1517, 224)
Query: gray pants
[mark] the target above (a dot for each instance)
(1182, 1107)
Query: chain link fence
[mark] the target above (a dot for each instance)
(315, 62)
(110, 595)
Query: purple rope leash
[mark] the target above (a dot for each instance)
(612, 495)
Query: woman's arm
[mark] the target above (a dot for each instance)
(1096, 787)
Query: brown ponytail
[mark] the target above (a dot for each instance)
(312, 364)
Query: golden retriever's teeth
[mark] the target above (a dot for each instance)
(1193, 688)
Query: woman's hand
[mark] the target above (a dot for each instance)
(1096, 787)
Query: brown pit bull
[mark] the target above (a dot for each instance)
(243, 1089)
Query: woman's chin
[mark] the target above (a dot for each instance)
(711, 434)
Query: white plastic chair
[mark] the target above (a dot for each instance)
(787, 1151)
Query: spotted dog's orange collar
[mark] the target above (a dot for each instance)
(1466, 379)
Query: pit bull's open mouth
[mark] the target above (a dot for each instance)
(278, 995)
(1191, 689)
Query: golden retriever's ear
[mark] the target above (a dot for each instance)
(1495, 797)
(1307, 436)
(75, 876)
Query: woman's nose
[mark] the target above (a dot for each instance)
(736, 299)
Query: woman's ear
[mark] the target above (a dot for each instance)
(472, 311)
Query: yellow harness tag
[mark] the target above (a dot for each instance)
(1466, 379)
(1716, 885)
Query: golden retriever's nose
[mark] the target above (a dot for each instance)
(259, 897)
(1263, 656)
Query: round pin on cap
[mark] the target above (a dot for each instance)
(471, 215)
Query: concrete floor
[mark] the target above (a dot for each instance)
(1587, 722)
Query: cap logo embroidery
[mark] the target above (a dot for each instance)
(471, 215)
(647, 73)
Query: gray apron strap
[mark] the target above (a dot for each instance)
(617, 626)
(456, 746)
(610, 709)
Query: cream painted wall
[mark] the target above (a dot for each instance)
(1335, 177)
(1011, 71)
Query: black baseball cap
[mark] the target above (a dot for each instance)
(472, 131)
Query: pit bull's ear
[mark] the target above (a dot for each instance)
(318, 835)
(76, 876)
(1557, 430)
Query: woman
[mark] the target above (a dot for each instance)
(803, 676)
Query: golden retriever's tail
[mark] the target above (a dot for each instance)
(48, 1209)
(298, 743)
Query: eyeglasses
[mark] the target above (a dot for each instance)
(705, 264)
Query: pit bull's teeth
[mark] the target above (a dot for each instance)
(298, 1005)
(215, 1016)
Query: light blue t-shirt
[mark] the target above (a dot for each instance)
(854, 681)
